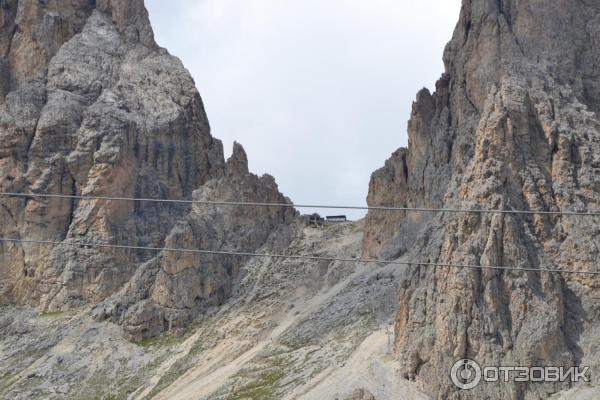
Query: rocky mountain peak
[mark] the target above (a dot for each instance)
(80, 116)
(497, 38)
(32, 32)
(171, 290)
(131, 18)
(90, 106)
(237, 164)
(513, 124)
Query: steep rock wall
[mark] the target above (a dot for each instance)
(173, 288)
(513, 124)
(90, 105)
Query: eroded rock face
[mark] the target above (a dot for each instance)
(90, 105)
(170, 290)
(513, 124)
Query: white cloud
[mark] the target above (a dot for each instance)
(318, 92)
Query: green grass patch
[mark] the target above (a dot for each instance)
(53, 314)
(166, 339)
(261, 389)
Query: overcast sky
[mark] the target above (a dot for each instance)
(318, 92)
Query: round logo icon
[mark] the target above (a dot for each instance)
(466, 374)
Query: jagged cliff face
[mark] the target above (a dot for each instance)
(513, 124)
(90, 105)
(169, 291)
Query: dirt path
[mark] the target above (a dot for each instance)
(370, 367)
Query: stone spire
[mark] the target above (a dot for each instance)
(237, 164)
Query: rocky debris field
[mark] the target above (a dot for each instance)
(292, 329)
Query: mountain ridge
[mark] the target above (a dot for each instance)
(90, 105)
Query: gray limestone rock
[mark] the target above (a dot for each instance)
(172, 289)
(513, 124)
(90, 105)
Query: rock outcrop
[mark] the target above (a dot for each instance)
(361, 394)
(167, 292)
(90, 105)
(513, 124)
